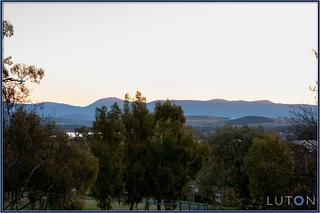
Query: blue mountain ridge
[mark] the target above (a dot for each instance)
(215, 108)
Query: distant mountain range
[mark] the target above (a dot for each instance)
(217, 110)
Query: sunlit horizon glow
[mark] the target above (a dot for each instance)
(181, 51)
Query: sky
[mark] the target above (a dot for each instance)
(198, 51)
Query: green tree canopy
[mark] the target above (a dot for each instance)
(179, 157)
(139, 125)
(223, 173)
(41, 166)
(107, 146)
(269, 167)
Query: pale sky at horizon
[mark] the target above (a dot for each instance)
(198, 51)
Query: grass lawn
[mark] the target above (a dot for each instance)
(91, 204)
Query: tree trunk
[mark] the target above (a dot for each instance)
(131, 205)
(158, 204)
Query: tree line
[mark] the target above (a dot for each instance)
(143, 154)
(127, 155)
(249, 165)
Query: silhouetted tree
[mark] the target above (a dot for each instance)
(139, 125)
(107, 145)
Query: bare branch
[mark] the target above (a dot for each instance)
(5, 80)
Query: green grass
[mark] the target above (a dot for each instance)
(91, 204)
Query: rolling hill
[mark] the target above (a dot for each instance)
(248, 120)
(198, 113)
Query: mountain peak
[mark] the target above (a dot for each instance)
(109, 99)
(218, 100)
(263, 102)
(106, 101)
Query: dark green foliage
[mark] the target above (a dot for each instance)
(107, 146)
(269, 167)
(179, 156)
(40, 165)
(305, 172)
(134, 154)
(246, 165)
(139, 125)
(229, 147)
(144, 155)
